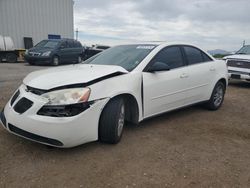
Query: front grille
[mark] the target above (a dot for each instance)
(238, 64)
(238, 72)
(34, 137)
(3, 119)
(35, 90)
(23, 105)
(14, 97)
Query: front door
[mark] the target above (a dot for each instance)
(165, 90)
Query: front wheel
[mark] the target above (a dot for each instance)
(11, 57)
(112, 121)
(55, 61)
(217, 96)
(79, 59)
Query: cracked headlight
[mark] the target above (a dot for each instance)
(67, 96)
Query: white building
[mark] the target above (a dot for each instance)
(36, 19)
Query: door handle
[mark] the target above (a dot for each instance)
(184, 75)
(212, 69)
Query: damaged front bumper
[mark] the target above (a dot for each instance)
(24, 120)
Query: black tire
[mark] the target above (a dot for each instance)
(112, 121)
(31, 63)
(217, 96)
(11, 57)
(79, 59)
(55, 61)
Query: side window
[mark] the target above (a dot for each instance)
(63, 44)
(71, 44)
(79, 45)
(171, 56)
(206, 58)
(193, 55)
(75, 44)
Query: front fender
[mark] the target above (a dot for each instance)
(123, 84)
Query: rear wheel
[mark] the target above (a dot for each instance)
(112, 121)
(11, 57)
(217, 96)
(55, 61)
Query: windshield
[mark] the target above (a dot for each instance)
(47, 44)
(126, 56)
(244, 50)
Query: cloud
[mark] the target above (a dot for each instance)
(210, 24)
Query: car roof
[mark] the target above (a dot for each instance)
(159, 43)
(63, 39)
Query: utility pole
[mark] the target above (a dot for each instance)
(77, 33)
(244, 43)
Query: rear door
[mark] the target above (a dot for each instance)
(72, 51)
(201, 71)
(77, 50)
(64, 52)
(165, 90)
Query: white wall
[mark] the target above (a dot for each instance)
(36, 19)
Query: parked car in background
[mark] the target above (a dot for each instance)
(55, 52)
(239, 64)
(91, 51)
(128, 83)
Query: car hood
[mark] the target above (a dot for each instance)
(238, 56)
(70, 75)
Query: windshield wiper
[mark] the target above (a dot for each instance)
(241, 53)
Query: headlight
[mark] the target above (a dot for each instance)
(67, 96)
(46, 53)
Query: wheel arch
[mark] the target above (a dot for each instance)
(131, 107)
(56, 55)
(224, 81)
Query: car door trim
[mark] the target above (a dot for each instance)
(180, 91)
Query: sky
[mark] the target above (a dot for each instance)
(210, 24)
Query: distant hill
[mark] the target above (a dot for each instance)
(218, 51)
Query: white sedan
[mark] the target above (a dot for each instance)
(72, 105)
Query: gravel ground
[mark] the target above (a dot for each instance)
(191, 147)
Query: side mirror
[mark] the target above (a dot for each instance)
(159, 66)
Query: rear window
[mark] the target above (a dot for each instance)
(71, 44)
(78, 44)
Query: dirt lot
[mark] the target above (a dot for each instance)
(192, 147)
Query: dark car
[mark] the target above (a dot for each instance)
(55, 52)
(91, 51)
